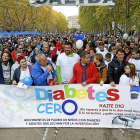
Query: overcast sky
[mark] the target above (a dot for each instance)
(67, 10)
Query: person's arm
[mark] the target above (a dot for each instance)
(121, 80)
(58, 73)
(38, 76)
(73, 80)
(104, 75)
(110, 73)
(94, 76)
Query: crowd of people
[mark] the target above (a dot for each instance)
(56, 60)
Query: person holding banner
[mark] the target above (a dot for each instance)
(43, 71)
(116, 68)
(65, 64)
(84, 72)
(129, 78)
(22, 71)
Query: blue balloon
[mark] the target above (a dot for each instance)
(81, 36)
(76, 36)
(27, 81)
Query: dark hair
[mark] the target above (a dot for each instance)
(119, 50)
(93, 49)
(132, 42)
(128, 43)
(101, 44)
(69, 43)
(54, 58)
(54, 42)
(84, 53)
(65, 38)
(108, 55)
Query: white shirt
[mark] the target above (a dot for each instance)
(124, 80)
(103, 53)
(24, 73)
(66, 64)
(135, 62)
(106, 62)
(51, 48)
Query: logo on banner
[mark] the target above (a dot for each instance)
(68, 94)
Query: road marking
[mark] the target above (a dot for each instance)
(45, 134)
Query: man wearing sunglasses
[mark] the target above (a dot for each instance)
(19, 48)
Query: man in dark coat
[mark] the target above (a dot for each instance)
(116, 68)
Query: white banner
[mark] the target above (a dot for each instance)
(70, 106)
(37, 3)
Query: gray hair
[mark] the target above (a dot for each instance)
(37, 58)
(45, 44)
(18, 52)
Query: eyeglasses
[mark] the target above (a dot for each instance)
(21, 48)
(67, 48)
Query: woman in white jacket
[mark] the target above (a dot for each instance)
(129, 78)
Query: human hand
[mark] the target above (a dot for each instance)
(84, 84)
(60, 84)
(49, 68)
(14, 82)
(54, 80)
(101, 83)
(69, 82)
(131, 84)
(112, 84)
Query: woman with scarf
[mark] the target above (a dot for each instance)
(101, 68)
(6, 63)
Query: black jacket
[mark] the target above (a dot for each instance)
(115, 70)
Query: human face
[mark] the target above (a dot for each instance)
(43, 61)
(76, 49)
(68, 49)
(127, 50)
(95, 60)
(5, 57)
(29, 49)
(114, 52)
(20, 48)
(36, 51)
(91, 52)
(45, 48)
(135, 55)
(120, 56)
(101, 48)
(87, 47)
(132, 45)
(23, 63)
(127, 70)
(114, 41)
(18, 55)
(107, 59)
(86, 60)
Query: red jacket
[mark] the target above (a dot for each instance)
(14, 56)
(58, 46)
(138, 39)
(91, 73)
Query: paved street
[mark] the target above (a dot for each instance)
(68, 134)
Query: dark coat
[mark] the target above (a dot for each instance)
(11, 62)
(115, 70)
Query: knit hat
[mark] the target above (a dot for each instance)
(20, 58)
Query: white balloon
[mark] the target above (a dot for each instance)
(79, 44)
(125, 36)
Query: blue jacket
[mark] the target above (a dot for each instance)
(39, 76)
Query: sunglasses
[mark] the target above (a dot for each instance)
(21, 48)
